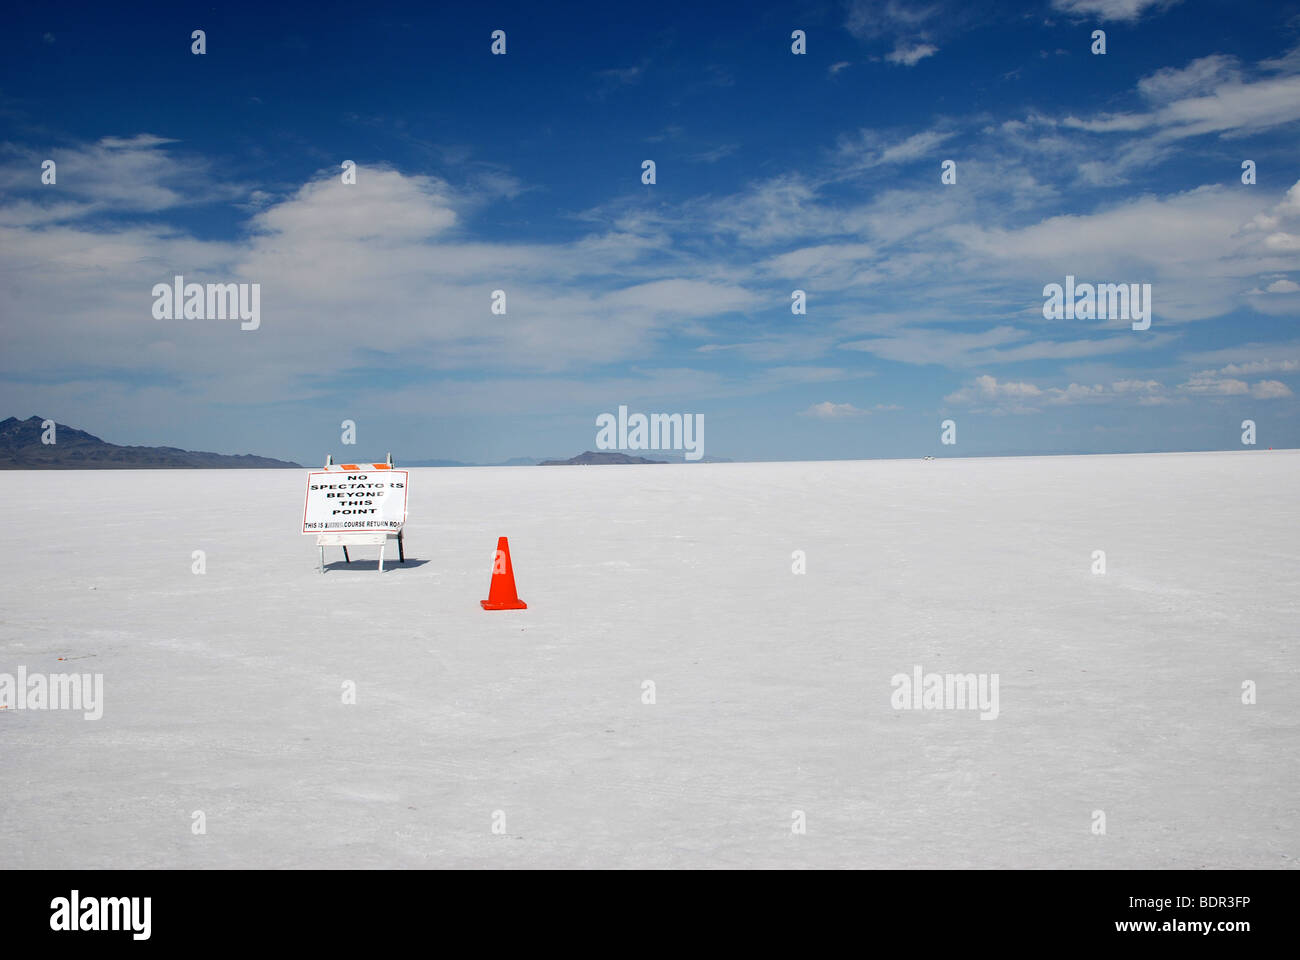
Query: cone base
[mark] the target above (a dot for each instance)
(503, 605)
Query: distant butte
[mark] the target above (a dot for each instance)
(591, 457)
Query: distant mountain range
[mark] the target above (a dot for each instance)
(21, 448)
(591, 457)
(512, 462)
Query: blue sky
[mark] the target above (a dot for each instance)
(774, 172)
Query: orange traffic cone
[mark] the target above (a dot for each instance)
(501, 594)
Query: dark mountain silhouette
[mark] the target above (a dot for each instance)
(591, 458)
(512, 462)
(21, 449)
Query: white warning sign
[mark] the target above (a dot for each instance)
(361, 502)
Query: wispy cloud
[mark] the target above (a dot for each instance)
(986, 394)
(1208, 384)
(609, 80)
(868, 19)
(1122, 10)
(1210, 95)
(910, 54)
(624, 75)
(135, 174)
(911, 28)
(827, 410)
(868, 149)
(714, 155)
(833, 411)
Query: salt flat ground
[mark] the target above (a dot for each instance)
(223, 691)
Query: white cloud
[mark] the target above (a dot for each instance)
(1136, 386)
(1214, 383)
(931, 345)
(823, 260)
(1111, 9)
(1216, 386)
(121, 174)
(1289, 62)
(1207, 383)
(910, 54)
(1017, 396)
(1110, 122)
(1249, 359)
(993, 396)
(843, 411)
(1238, 108)
(1206, 97)
(781, 209)
(912, 28)
(1269, 390)
(383, 207)
(377, 273)
(1261, 366)
(997, 345)
(868, 19)
(833, 411)
(676, 297)
(870, 149)
(1065, 349)
(385, 272)
(714, 155)
(1196, 249)
(1198, 77)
